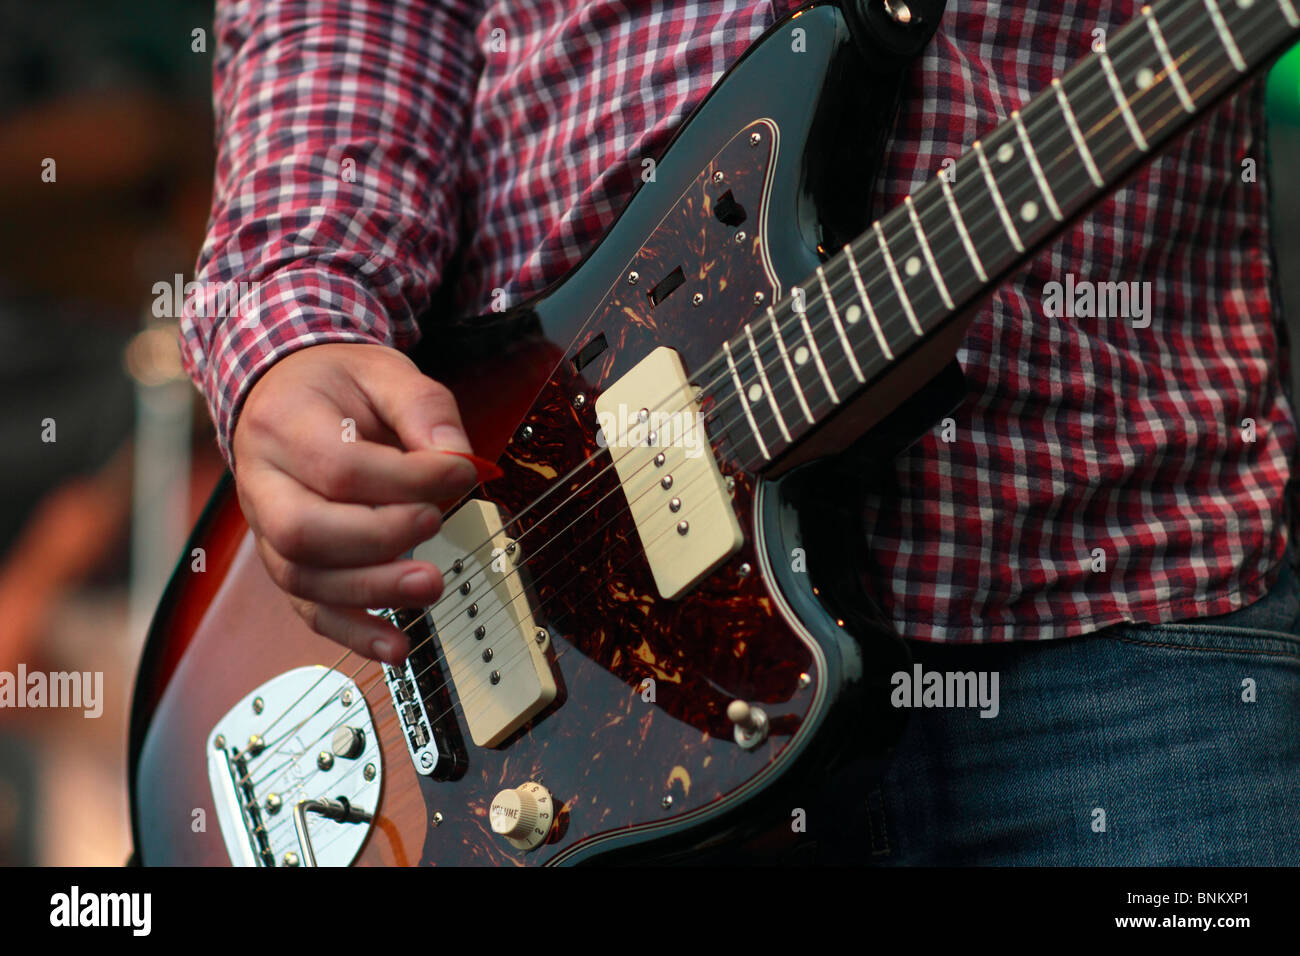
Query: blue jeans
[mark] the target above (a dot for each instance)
(1170, 744)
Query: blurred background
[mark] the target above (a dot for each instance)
(91, 524)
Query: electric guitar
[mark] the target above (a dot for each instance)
(644, 650)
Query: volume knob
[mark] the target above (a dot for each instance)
(523, 815)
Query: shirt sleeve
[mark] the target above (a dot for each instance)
(340, 127)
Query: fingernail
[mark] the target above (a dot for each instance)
(450, 438)
(484, 470)
(416, 585)
(382, 648)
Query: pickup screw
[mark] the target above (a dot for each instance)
(255, 744)
(437, 818)
(511, 548)
(220, 742)
(487, 654)
(579, 400)
(496, 677)
(464, 588)
(675, 505)
(540, 635)
(633, 278)
(457, 566)
(643, 415)
(369, 772)
(659, 460)
(426, 763)
(744, 570)
(346, 698)
(758, 298)
(291, 859)
(473, 610)
(755, 139)
(718, 177)
(273, 803)
(667, 801)
(258, 705)
(683, 527)
(740, 236)
(697, 298)
(325, 760)
(479, 632)
(731, 485)
(666, 481)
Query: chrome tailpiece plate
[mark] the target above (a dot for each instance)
(295, 769)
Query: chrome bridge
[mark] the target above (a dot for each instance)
(295, 769)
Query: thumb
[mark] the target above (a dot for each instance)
(421, 412)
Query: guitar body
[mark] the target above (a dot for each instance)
(636, 750)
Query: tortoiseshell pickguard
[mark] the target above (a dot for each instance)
(611, 749)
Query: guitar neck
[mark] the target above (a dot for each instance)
(949, 244)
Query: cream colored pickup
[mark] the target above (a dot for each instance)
(678, 500)
(500, 672)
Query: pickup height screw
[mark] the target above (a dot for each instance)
(496, 677)
(457, 566)
(731, 485)
(346, 698)
(220, 742)
(683, 527)
(740, 236)
(325, 760)
(540, 635)
(526, 433)
(755, 139)
(579, 400)
(633, 278)
(258, 705)
(473, 610)
(291, 859)
(479, 632)
(758, 298)
(659, 460)
(464, 588)
(718, 177)
(675, 505)
(666, 481)
(369, 771)
(667, 801)
(697, 299)
(426, 763)
(511, 548)
(437, 818)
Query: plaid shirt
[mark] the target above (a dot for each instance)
(1097, 473)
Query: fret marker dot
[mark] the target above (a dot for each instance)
(1244, 4)
(852, 314)
(1145, 77)
(1029, 211)
(913, 266)
(801, 355)
(755, 393)
(1005, 152)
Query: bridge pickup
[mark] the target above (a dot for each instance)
(676, 493)
(493, 649)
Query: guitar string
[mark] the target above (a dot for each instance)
(835, 283)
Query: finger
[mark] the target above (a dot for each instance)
(367, 635)
(307, 529)
(421, 411)
(396, 584)
(334, 461)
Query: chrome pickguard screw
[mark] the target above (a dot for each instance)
(718, 177)
(579, 400)
(731, 485)
(258, 705)
(540, 635)
(255, 744)
(369, 772)
(273, 803)
(697, 298)
(804, 681)
(633, 278)
(346, 698)
(759, 298)
(526, 433)
(325, 760)
(667, 801)
(899, 11)
(437, 818)
(740, 236)
(755, 139)
(220, 742)
(426, 763)
(744, 570)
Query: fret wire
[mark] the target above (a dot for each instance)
(1129, 119)
(1032, 157)
(817, 357)
(789, 368)
(766, 385)
(929, 256)
(961, 229)
(744, 401)
(839, 328)
(1229, 44)
(997, 197)
(866, 302)
(1084, 153)
(1171, 68)
(1289, 12)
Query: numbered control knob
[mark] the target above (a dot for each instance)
(523, 815)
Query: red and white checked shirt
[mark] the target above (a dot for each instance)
(361, 139)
